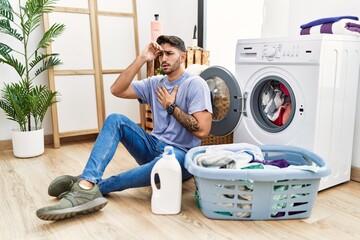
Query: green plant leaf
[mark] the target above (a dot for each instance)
(54, 31)
(15, 103)
(5, 50)
(51, 62)
(41, 98)
(33, 10)
(6, 28)
(35, 7)
(31, 24)
(13, 62)
(41, 57)
(6, 10)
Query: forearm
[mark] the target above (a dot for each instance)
(190, 123)
(124, 80)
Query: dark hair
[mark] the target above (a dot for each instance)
(173, 41)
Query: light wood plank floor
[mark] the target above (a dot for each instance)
(24, 182)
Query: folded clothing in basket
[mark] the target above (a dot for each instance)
(219, 158)
(248, 157)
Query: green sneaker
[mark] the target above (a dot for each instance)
(61, 185)
(76, 202)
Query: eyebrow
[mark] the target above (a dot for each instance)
(166, 52)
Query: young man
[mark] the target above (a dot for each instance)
(182, 114)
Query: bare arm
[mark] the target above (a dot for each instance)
(199, 123)
(121, 87)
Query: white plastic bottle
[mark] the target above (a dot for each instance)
(166, 196)
(156, 28)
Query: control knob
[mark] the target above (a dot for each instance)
(270, 52)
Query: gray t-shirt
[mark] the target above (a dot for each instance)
(193, 96)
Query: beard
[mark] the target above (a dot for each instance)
(168, 69)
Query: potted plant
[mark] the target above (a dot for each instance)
(23, 101)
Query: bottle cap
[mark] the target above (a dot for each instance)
(168, 150)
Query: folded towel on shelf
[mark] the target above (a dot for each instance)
(342, 27)
(326, 20)
(355, 27)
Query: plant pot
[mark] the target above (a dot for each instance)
(28, 144)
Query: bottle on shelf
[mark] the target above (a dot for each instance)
(156, 28)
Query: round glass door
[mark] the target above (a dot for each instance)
(273, 104)
(226, 100)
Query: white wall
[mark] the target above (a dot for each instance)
(226, 22)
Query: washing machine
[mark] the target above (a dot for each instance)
(298, 91)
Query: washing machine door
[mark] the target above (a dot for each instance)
(226, 99)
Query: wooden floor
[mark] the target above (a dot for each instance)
(24, 182)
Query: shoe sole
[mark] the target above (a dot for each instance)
(89, 207)
(57, 186)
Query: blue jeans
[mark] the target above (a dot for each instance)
(145, 149)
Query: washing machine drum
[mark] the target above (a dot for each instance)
(226, 99)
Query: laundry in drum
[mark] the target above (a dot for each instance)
(220, 97)
(276, 102)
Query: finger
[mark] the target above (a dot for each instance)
(160, 100)
(176, 88)
(156, 46)
(164, 90)
(173, 93)
(159, 90)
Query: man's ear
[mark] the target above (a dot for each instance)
(183, 57)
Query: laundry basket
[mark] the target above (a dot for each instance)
(258, 194)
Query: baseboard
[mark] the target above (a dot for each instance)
(355, 174)
(49, 140)
(5, 145)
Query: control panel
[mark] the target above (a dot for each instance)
(273, 52)
(279, 52)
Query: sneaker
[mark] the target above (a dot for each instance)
(76, 202)
(61, 185)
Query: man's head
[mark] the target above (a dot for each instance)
(172, 56)
(173, 41)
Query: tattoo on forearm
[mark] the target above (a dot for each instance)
(188, 121)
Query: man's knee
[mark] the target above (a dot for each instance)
(115, 117)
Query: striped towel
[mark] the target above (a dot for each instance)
(342, 27)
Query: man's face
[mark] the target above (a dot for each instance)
(170, 58)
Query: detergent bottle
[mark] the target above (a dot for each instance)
(166, 195)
